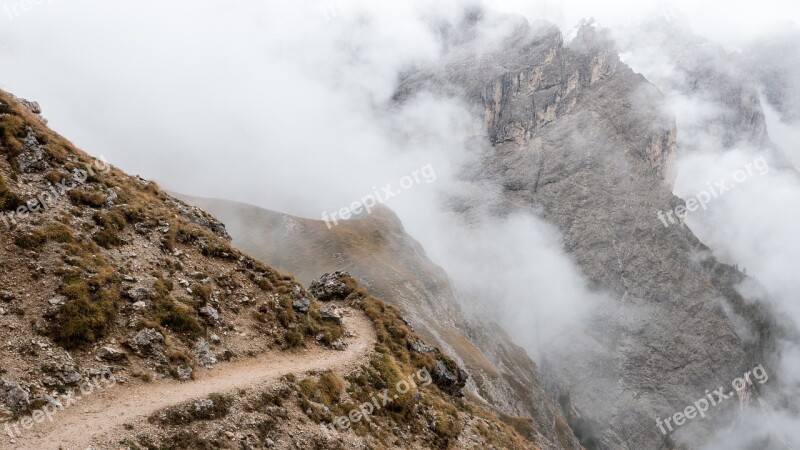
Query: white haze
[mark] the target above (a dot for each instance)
(754, 224)
(284, 106)
(276, 104)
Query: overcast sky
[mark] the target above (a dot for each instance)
(238, 98)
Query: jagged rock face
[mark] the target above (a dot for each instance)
(385, 259)
(578, 137)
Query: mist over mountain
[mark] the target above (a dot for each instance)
(589, 209)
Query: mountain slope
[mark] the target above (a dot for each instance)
(106, 278)
(392, 265)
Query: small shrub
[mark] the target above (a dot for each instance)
(31, 241)
(108, 239)
(9, 201)
(58, 232)
(92, 199)
(294, 338)
(110, 220)
(202, 292)
(178, 318)
(90, 310)
(218, 250)
(54, 177)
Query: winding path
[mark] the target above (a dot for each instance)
(106, 410)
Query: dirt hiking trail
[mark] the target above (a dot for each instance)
(104, 410)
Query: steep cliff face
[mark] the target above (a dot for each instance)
(579, 138)
(391, 264)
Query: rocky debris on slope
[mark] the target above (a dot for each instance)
(110, 354)
(329, 287)
(184, 373)
(139, 292)
(148, 342)
(339, 345)
(68, 375)
(32, 158)
(449, 378)
(32, 106)
(201, 218)
(205, 356)
(14, 395)
(209, 312)
(300, 302)
(421, 347)
(331, 313)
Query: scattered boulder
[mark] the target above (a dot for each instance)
(145, 340)
(110, 354)
(137, 293)
(449, 377)
(50, 381)
(215, 339)
(331, 313)
(32, 106)
(209, 313)
(338, 345)
(69, 375)
(57, 300)
(14, 395)
(329, 287)
(184, 373)
(7, 296)
(205, 356)
(301, 304)
(202, 218)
